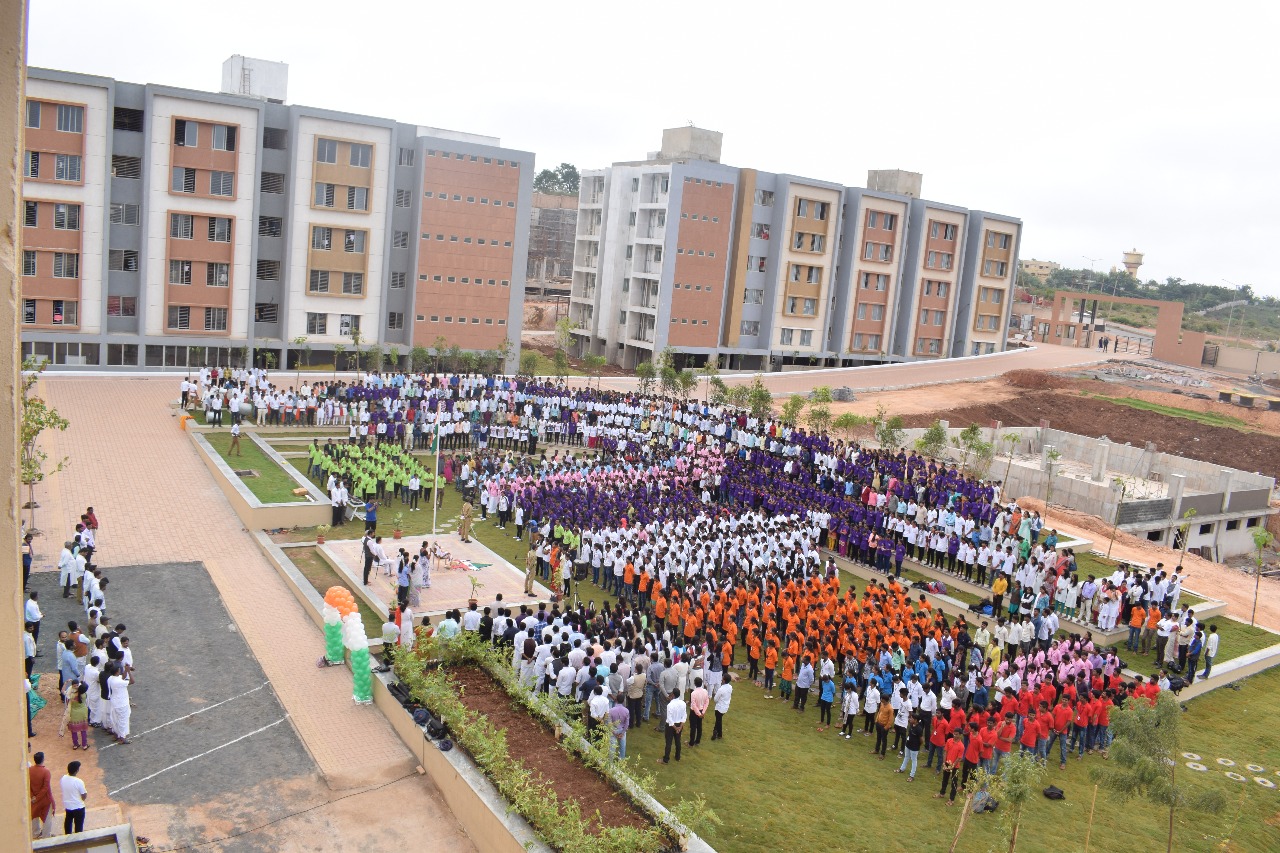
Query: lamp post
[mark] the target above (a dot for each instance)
(1093, 319)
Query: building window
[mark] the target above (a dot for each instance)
(28, 305)
(324, 195)
(361, 155)
(802, 207)
(270, 226)
(122, 354)
(125, 214)
(752, 296)
(66, 265)
(317, 324)
(273, 182)
(122, 306)
(70, 118)
(787, 337)
(877, 312)
(806, 337)
(348, 323)
(224, 137)
(28, 263)
(66, 217)
(31, 165)
(66, 167)
(30, 214)
(33, 119)
(397, 280)
(1253, 522)
(275, 138)
(395, 320)
(319, 282)
(268, 270)
(321, 238)
(125, 260)
(357, 198)
(219, 229)
(66, 313)
(179, 272)
(1233, 524)
(186, 134)
(405, 157)
(217, 275)
(764, 198)
(266, 312)
(403, 198)
(749, 328)
(220, 183)
(184, 180)
(215, 319)
(181, 226)
(760, 230)
(353, 283)
(399, 239)
(353, 242)
(179, 317)
(326, 151)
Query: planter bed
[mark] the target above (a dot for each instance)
(531, 743)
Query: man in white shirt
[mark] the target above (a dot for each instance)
(677, 713)
(724, 693)
(33, 615)
(1210, 650)
(74, 795)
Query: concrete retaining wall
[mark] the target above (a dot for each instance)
(253, 513)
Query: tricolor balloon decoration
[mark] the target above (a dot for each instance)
(338, 602)
(354, 638)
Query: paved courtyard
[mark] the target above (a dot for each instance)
(159, 507)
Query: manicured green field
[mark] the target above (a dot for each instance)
(272, 485)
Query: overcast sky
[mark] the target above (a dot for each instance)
(1104, 126)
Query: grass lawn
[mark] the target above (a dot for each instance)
(838, 797)
(1206, 418)
(322, 576)
(272, 485)
(1237, 640)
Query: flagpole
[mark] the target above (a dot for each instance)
(435, 485)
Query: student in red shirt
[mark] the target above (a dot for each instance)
(1007, 732)
(1030, 732)
(972, 754)
(989, 735)
(951, 766)
(1080, 728)
(1105, 704)
(1061, 729)
(938, 742)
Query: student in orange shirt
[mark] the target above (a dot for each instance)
(788, 676)
(753, 656)
(770, 664)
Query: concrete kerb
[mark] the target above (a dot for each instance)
(253, 513)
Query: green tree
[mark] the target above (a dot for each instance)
(564, 334)
(933, 442)
(821, 394)
(792, 408)
(1262, 539)
(970, 443)
(669, 380)
(37, 416)
(1145, 757)
(709, 371)
(1010, 440)
(393, 357)
(647, 374)
(889, 431)
(818, 417)
(304, 354)
(377, 358)
(562, 180)
(418, 358)
(686, 383)
(339, 351)
(1018, 782)
(759, 399)
(1052, 455)
(848, 423)
(528, 363)
(504, 352)
(594, 365)
(269, 359)
(357, 340)
(455, 358)
(242, 355)
(439, 347)
(560, 363)
(719, 393)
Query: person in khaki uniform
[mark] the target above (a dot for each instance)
(530, 566)
(464, 526)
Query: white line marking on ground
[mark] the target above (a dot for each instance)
(192, 714)
(194, 757)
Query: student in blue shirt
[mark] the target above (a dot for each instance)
(826, 695)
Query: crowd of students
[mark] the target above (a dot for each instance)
(711, 526)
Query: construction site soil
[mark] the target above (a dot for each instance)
(1069, 411)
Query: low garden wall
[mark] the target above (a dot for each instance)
(253, 513)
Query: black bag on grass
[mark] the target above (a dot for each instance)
(1054, 793)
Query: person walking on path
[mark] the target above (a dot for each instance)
(235, 440)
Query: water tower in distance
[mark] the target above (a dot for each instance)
(1132, 260)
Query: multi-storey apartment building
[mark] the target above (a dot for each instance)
(169, 227)
(757, 270)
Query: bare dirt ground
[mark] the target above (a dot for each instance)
(931, 398)
(1061, 403)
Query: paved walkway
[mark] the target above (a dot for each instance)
(886, 376)
(158, 504)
